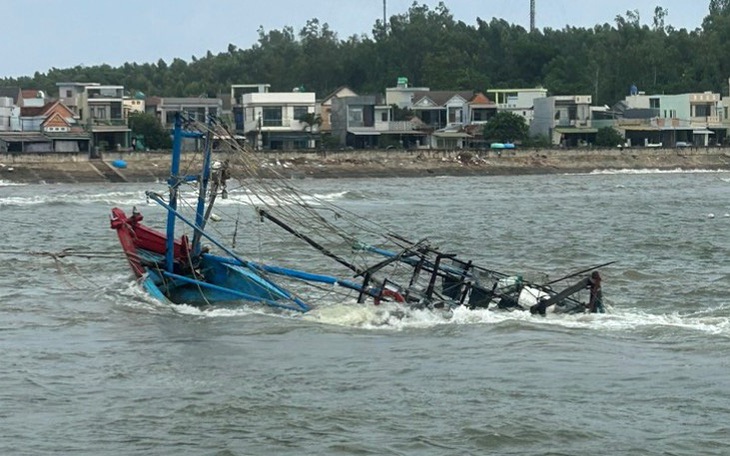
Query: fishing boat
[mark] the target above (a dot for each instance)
(366, 262)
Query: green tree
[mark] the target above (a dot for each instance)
(147, 125)
(310, 121)
(506, 127)
(608, 137)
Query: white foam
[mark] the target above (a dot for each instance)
(109, 199)
(392, 317)
(10, 184)
(658, 171)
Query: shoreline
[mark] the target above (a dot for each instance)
(152, 167)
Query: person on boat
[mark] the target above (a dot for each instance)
(595, 303)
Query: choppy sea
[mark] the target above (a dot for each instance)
(90, 365)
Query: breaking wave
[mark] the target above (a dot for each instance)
(657, 171)
(391, 317)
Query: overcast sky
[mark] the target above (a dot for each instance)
(42, 34)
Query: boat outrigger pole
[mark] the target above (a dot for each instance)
(262, 213)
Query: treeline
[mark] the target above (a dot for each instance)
(432, 49)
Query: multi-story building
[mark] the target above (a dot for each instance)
(52, 127)
(236, 101)
(165, 108)
(99, 109)
(135, 104)
(276, 120)
(325, 107)
(671, 120)
(402, 94)
(518, 101)
(566, 120)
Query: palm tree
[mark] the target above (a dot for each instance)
(310, 121)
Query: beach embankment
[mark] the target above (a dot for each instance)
(153, 166)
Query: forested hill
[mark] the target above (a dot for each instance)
(432, 49)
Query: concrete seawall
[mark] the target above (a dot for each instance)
(152, 166)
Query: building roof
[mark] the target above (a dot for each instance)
(481, 99)
(11, 92)
(336, 93)
(363, 131)
(575, 130)
(23, 137)
(441, 97)
(31, 93)
(33, 111)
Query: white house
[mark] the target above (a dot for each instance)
(272, 120)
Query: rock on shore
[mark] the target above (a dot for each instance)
(150, 167)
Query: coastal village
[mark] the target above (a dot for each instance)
(86, 119)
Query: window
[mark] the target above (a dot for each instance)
(354, 116)
(703, 111)
(454, 115)
(384, 116)
(654, 103)
(69, 94)
(271, 116)
(300, 112)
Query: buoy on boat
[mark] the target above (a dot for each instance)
(215, 218)
(119, 164)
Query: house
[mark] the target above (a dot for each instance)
(325, 106)
(236, 101)
(273, 120)
(438, 109)
(365, 122)
(446, 114)
(135, 104)
(49, 128)
(9, 115)
(99, 109)
(518, 101)
(14, 93)
(32, 98)
(165, 108)
(402, 94)
(565, 119)
(689, 118)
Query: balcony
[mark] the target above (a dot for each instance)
(403, 125)
(286, 124)
(706, 120)
(97, 125)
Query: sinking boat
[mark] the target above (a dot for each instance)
(366, 261)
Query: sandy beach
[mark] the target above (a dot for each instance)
(153, 166)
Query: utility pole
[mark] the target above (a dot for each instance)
(532, 15)
(385, 16)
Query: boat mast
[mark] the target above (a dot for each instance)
(174, 183)
(200, 212)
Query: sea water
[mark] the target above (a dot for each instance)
(90, 365)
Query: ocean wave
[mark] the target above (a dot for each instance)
(657, 171)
